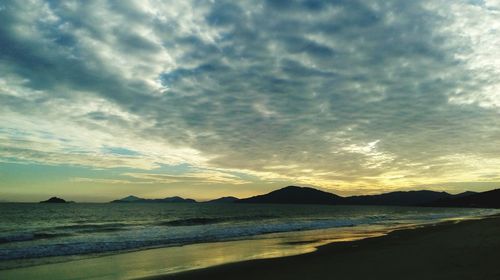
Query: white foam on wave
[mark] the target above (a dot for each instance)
(73, 241)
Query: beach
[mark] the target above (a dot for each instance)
(348, 242)
(452, 250)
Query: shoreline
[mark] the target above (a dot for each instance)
(340, 234)
(467, 249)
(160, 263)
(149, 261)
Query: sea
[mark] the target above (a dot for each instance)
(36, 234)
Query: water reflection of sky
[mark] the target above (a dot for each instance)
(174, 259)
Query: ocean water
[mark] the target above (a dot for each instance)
(33, 234)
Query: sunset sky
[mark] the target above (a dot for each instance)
(201, 99)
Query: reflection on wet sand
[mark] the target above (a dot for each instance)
(175, 259)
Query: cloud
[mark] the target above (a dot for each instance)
(101, 181)
(348, 94)
(205, 177)
(478, 27)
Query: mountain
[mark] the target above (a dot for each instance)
(305, 195)
(135, 199)
(400, 198)
(54, 200)
(130, 198)
(175, 199)
(295, 195)
(463, 194)
(488, 199)
(225, 199)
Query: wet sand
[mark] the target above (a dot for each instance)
(464, 250)
(159, 261)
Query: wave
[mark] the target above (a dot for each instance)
(185, 231)
(27, 236)
(193, 222)
(208, 221)
(61, 231)
(155, 236)
(93, 227)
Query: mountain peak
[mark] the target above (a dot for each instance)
(130, 198)
(225, 199)
(295, 195)
(133, 198)
(54, 199)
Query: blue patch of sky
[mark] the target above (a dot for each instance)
(120, 151)
(178, 169)
(29, 172)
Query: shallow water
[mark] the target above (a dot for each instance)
(160, 261)
(34, 234)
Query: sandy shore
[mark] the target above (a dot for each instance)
(465, 250)
(163, 260)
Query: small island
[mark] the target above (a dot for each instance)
(54, 199)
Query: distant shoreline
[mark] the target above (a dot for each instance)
(447, 250)
(308, 195)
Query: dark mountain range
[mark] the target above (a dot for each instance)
(54, 199)
(306, 195)
(225, 199)
(135, 199)
(488, 199)
(399, 198)
(295, 195)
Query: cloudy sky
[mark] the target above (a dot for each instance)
(101, 99)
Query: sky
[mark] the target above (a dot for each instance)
(202, 99)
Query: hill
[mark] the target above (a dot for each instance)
(306, 195)
(54, 199)
(225, 199)
(488, 199)
(135, 199)
(295, 195)
(399, 198)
